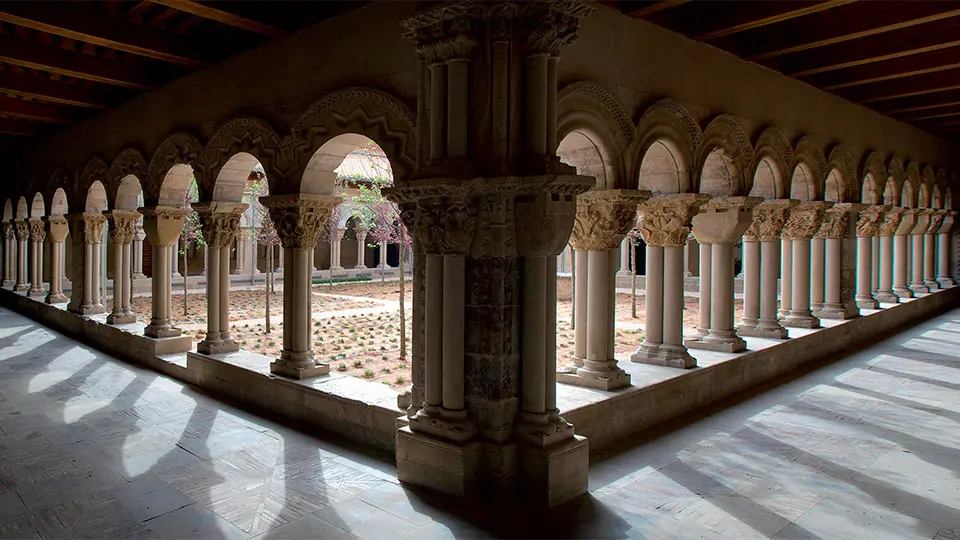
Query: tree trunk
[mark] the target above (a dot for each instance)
(383, 270)
(331, 263)
(403, 318)
(185, 274)
(633, 278)
(268, 284)
(573, 288)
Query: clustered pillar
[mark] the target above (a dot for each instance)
(121, 230)
(162, 225)
(888, 225)
(38, 234)
(603, 219)
(803, 223)
(868, 226)
(220, 223)
(930, 250)
(921, 224)
(720, 223)
(22, 231)
(769, 219)
(58, 229)
(944, 277)
(839, 271)
(664, 225)
(901, 253)
(9, 255)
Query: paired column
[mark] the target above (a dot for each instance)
(720, 224)
(603, 219)
(58, 228)
(868, 226)
(664, 225)
(86, 239)
(220, 223)
(901, 253)
(137, 251)
(769, 218)
(930, 250)
(38, 234)
(383, 256)
(888, 225)
(839, 277)
(361, 249)
(22, 231)
(335, 249)
(786, 275)
(944, 277)
(243, 251)
(625, 246)
(121, 231)
(917, 254)
(174, 258)
(9, 255)
(804, 221)
(299, 219)
(162, 225)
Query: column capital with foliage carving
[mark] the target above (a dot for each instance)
(300, 218)
(769, 218)
(804, 220)
(605, 217)
(665, 221)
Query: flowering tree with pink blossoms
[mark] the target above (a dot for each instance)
(191, 234)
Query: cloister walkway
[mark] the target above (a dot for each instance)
(868, 447)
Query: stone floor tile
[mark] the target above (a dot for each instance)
(148, 497)
(193, 522)
(365, 520)
(307, 528)
(11, 506)
(842, 518)
(63, 489)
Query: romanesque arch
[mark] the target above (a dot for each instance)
(96, 199)
(22, 208)
(927, 182)
(873, 175)
(128, 164)
(667, 141)
(723, 160)
(595, 132)
(231, 155)
(328, 130)
(58, 203)
(7, 210)
(772, 158)
(911, 186)
(96, 170)
(171, 170)
(37, 207)
(808, 170)
(841, 183)
(128, 193)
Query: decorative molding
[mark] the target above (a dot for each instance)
(603, 218)
(591, 97)
(665, 221)
(299, 218)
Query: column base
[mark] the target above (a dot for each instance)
(902, 292)
(92, 309)
(727, 344)
(783, 313)
(867, 302)
(167, 345)
(601, 380)
(220, 346)
(931, 284)
(764, 330)
(140, 275)
(56, 299)
(433, 463)
(21, 287)
(9, 283)
(887, 297)
(837, 312)
(360, 267)
(945, 282)
(120, 318)
(801, 319)
(161, 331)
(36, 292)
(919, 287)
(664, 355)
(552, 475)
(816, 306)
(298, 370)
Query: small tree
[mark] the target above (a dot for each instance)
(633, 240)
(331, 233)
(191, 234)
(263, 231)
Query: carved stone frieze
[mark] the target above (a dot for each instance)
(37, 230)
(93, 228)
(220, 222)
(804, 220)
(299, 218)
(665, 221)
(769, 218)
(122, 226)
(837, 221)
(604, 217)
(21, 229)
(890, 221)
(870, 219)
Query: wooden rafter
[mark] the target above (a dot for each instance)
(771, 19)
(208, 12)
(33, 110)
(895, 68)
(654, 7)
(20, 128)
(38, 87)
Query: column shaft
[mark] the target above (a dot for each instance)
(653, 311)
(865, 272)
(673, 297)
(786, 275)
(433, 374)
(917, 259)
(817, 273)
(706, 283)
(800, 315)
(900, 255)
(943, 260)
(751, 283)
(929, 261)
(453, 332)
(534, 351)
(580, 309)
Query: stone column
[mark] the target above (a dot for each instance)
(691, 258)
(38, 234)
(930, 250)
(121, 231)
(875, 261)
(908, 220)
(840, 269)
(706, 282)
(751, 280)
(9, 255)
(243, 256)
(162, 225)
(174, 258)
(22, 231)
(361, 249)
(57, 226)
(816, 273)
(721, 223)
(335, 262)
(803, 223)
(769, 218)
(625, 246)
(299, 219)
(868, 225)
(665, 224)
(888, 225)
(86, 233)
(220, 223)
(786, 276)
(921, 224)
(137, 256)
(383, 256)
(603, 220)
(943, 250)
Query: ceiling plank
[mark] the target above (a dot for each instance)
(895, 68)
(899, 88)
(41, 87)
(223, 17)
(887, 46)
(843, 24)
(33, 110)
(733, 28)
(943, 112)
(918, 103)
(654, 7)
(136, 13)
(82, 66)
(82, 25)
(21, 128)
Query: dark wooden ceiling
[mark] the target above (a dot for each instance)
(901, 58)
(61, 62)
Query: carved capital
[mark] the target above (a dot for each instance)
(936, 220)
(21, 229)
(769, 218)
(665, 221)
(58, 227)
(947, 225)
(869, 220)
(299, 218)
(38, 231)
(121, 226)
(220, 222)
(837, 220)
(804, 220)
(908, 220)
(93, 228)
(605, 217)
(724, 220)
(922, 221)
(890, 221)
(8, 231)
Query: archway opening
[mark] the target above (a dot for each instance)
(923, 197)
(176, 183)
(37, 208)
(22, 208)
(868, 192)
(907, 199)
(890, 195)
(58, 204)
(766, 180)
(582, 151)
(662, 169)
(129, 193)
(802, 184)
(718, 175)
(833, 190)
(96, 201)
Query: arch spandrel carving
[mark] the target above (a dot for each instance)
(671, 121)
(129, 161)
(249, 135)
(377, 115)
(774, 145)
(842, 158)
(179, 148)
(724, 133)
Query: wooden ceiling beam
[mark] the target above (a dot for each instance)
(900, 88)
(896, 68)
(88, 27)
(918, 103)
(654, 7)
(34, 110)
(40, 87)
(945, 112)
(224, 17)
(20, 128)
(82, 66)
(730, 27)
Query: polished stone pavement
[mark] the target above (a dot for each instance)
(92, 447)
